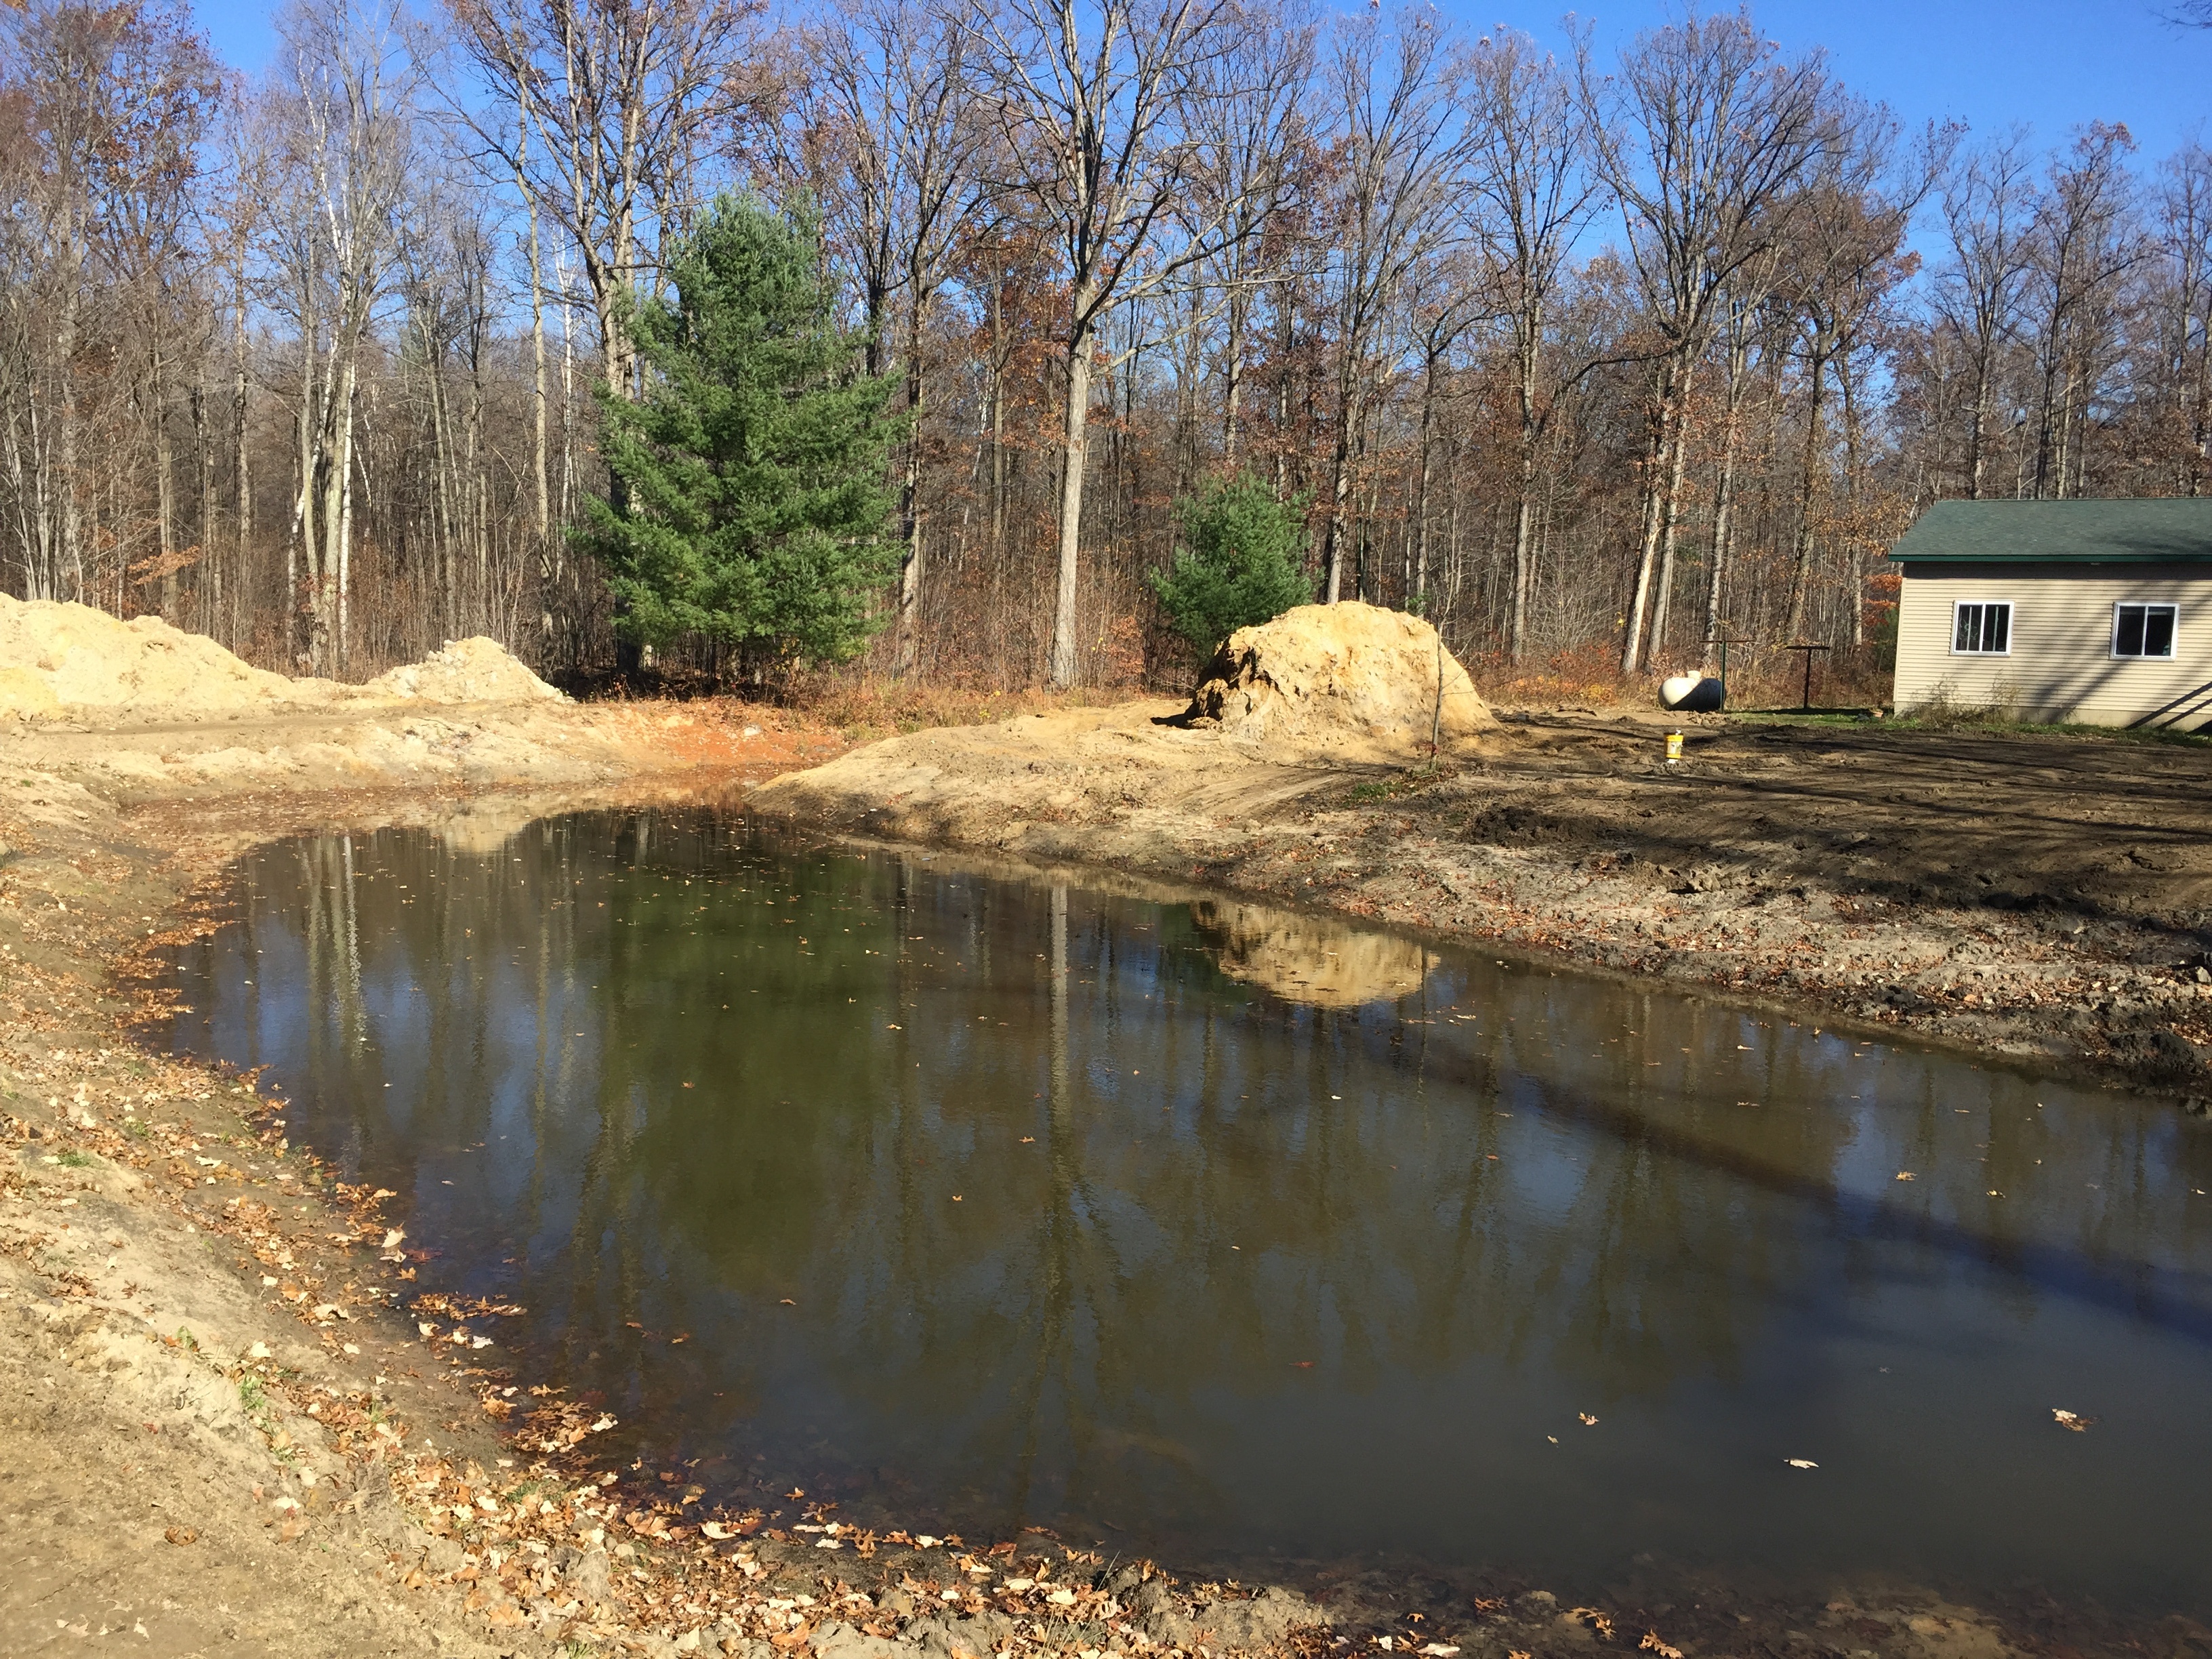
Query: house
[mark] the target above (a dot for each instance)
(2095, 612)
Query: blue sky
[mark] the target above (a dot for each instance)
(2052, 64)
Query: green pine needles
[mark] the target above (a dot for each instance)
(1240, 563)
(750, 502)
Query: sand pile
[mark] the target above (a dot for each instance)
(58, 660)
(57, 657)
(1347, 682)
(465, 670)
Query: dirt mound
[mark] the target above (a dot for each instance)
(466, 670)
(59, 659)
(1347, 682)
(56, 657)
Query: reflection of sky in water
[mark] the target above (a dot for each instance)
(1226, 1272)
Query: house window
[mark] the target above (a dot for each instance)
(2142, 630)
(1981, 628)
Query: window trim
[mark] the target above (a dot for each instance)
(2174, 640)
(1951, 640)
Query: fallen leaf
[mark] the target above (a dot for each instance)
(2073, 1421)
(181, 1535)
(1801, 1463)
(1445, 1651)
(1652, 1643)
(1905, 1175)
(1588, 1422)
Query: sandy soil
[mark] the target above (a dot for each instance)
(229, 1424)
(2047, 896)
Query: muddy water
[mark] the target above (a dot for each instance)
(1218, 1233)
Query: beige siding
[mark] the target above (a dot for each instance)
(2060, 666)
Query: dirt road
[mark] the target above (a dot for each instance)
(2037, 895)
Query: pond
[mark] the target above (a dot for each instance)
(1235, 1236)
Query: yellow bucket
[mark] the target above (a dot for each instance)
(1673, 747)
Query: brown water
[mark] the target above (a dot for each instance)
(1218, 1233)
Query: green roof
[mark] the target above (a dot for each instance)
(2075, 532)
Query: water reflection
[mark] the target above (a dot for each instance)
(994, 1204)
(1315, 960)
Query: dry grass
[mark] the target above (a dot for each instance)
(865, 710)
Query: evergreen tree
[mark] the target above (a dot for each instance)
(750, 502)
(1240, 563)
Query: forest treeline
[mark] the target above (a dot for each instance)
(1595, 356)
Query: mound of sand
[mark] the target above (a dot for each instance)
(1347, 682)
(61, 660)
(466, 670)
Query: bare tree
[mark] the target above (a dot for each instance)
(890, 129)
(2183, 308)
(351, 100)
(602, 110)
(1095, 98)
(1706, 136)
(1402, 152)
(1988, 206)
(1530, 172)
(2085, 241)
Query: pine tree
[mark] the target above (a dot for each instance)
(1240, 563)
(750, 503)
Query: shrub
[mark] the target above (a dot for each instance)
(1240, 562)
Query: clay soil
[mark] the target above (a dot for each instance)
(231, 1422)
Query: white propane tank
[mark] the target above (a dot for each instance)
(1692, 693)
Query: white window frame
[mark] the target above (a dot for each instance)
(1952, 639)
(2174, 640)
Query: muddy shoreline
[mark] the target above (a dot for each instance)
(229, 1424)
(2042, 899)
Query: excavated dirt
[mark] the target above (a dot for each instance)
(1331, 684)
(2037, 895)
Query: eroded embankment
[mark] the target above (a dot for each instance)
(2046, 897)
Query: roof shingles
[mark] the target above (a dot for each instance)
(2075, 532)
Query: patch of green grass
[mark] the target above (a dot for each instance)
(136, 1128)
(252, 1395)
(73, 1159)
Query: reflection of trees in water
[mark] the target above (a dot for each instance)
(1068, 1332)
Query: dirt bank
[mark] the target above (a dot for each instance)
(2044, 896)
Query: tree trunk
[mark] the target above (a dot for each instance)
(1340, 504)
(1232, 370)
(1662, 478)
(1724, 493)
(1801, 576)
(165, 488)
(1416, 573)
(910, 573)
(1061, 673)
